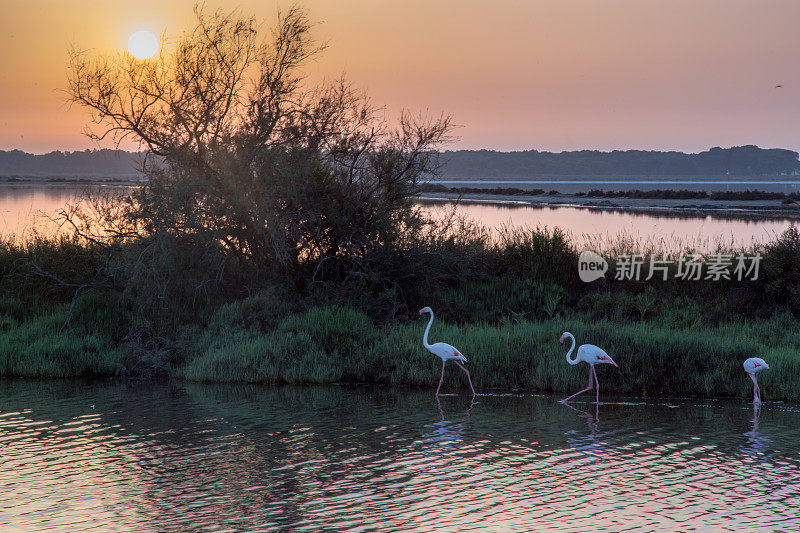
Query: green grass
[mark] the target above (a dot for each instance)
(502, 303)
(335, 344)
(36, 348)
(251, 341)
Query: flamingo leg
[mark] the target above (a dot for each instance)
(584, 390)
(756, 390)
(440, 381)
(468, 377)
(597, 399)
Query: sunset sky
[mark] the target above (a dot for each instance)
(515, 75)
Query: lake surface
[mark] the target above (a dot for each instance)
(602, 229)
(108, 456)
(24, 208)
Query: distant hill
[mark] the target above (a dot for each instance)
(737, 162)
(97, 164)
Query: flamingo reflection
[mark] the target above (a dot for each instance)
(592, 444)
(757, 444)
(446, 436)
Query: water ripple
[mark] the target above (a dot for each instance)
(209, 458)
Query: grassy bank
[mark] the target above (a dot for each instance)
(503, 303)
(335, 344)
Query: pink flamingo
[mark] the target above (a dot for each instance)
(588, 353)
(753, 366)
(444, 351)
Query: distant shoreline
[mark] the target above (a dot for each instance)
(756, 208)
(59, 181)
(721, 208)
(734, 163)
(632, 180)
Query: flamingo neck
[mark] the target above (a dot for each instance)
(573, 361)
(425, 337)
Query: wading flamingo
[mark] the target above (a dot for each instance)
(588, 353)
(753, 366)
(444, 351)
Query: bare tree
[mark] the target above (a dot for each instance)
(248, 160)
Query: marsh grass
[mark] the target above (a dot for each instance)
(36, 348)
(334, 344)
(503, 302)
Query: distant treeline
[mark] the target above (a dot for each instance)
(88, 163)
(504, 191)
(739, 161)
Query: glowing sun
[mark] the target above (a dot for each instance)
(143, 44)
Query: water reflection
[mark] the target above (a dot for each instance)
(27, 208)
(187, 457)
(757, 443)
(591, 419)
(446, 435)
(596, 228)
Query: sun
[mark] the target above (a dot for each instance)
(143, 44)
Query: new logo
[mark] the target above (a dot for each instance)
(591, 266)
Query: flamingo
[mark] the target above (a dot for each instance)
(588, 353)
(753, 366)
(444, 351)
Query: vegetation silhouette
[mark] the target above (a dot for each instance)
(736, 162)
(251, 175)
(732, 163)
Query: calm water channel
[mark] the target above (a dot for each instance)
(25, 208)
(107, 456)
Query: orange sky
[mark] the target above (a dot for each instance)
(550, 75)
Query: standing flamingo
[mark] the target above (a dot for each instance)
(753, 366)
(444, 351)
(588, 353)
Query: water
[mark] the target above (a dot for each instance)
(109, 456)
(600, 228)
(24, 208)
